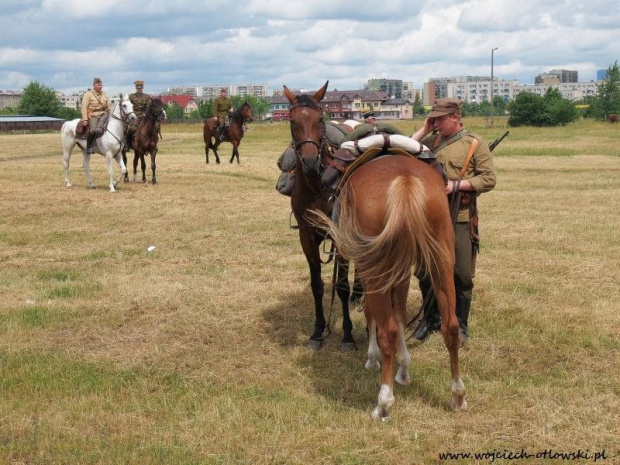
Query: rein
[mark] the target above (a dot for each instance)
(122, 119)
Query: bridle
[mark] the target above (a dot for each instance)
(122, 119)
(320, 145)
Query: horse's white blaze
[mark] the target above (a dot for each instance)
(374, 353)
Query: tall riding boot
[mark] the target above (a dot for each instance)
(431, 321)
(89, 142)
(463, 305)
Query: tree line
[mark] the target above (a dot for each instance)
(526, 109)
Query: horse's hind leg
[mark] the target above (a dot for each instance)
(214, 147)
(380, 308)
(86, 166)
(446, 301)
(399, 299)
(66, 158)
(136, 156)
(122, 164)
(143, 167)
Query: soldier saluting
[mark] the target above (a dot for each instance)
(140, 102)
(95, 104)
(467, 161)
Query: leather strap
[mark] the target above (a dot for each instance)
(470, 154)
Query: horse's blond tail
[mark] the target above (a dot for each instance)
(406, 240)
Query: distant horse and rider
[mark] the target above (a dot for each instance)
(390, 219)
(232, 133)
(109, 143)
(145, 139)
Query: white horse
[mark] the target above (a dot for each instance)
(109, 144)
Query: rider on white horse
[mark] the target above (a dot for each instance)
(95, 104)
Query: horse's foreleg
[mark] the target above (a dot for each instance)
(153, 165)
(136, 157)
(143, 167)
(343, 291)
(108, 159)
(125, 171)
(235, 152)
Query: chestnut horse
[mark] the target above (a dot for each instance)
(393, 218)
(310, 145)
(146, 138)
(232, 134)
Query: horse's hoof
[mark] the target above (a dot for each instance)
(348, 347)
(315, 344)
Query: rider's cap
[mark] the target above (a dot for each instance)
(445, 106)
(97, 81)
(223, 89)
(139, 83)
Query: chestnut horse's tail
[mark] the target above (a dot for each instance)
(405, 241)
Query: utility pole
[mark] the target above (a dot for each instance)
(492, 109)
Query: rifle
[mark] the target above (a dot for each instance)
(497, 141)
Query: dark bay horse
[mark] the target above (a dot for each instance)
(310, 145)
(146, 138)
(393, 218)
(232, 134)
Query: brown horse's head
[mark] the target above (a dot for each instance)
(307, 128)
(245, 111)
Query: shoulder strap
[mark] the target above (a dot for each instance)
(470, 153)
(442, 143)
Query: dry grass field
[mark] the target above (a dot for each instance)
(194, 353)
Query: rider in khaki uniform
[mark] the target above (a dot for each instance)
(95, 104)
(444, 134)
(222, 107)
(140, 102)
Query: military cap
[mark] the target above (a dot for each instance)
(97, 81)
(369, 114)
(445, 106)
(139, 83)
(223, 89)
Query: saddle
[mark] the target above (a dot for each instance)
(81, 131)
(342, 163)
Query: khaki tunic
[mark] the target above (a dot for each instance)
(140, 102)
(221, 107)
(95, 104)
(480, 171)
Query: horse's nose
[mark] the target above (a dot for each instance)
(311, 165)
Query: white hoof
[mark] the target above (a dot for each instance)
(372, 365)
(402, 377)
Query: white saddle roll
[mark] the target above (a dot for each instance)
(378, 140)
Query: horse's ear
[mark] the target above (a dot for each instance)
(289, 95)
(319, 94)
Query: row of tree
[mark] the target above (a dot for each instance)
(526, 109)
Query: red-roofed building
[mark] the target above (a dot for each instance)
(187, 102)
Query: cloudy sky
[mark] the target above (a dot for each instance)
(63, 44)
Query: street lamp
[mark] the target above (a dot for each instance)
(492, 50)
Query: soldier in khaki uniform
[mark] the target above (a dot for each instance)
(445, 135)
(222, 107)
(140, 102)
(95, 104)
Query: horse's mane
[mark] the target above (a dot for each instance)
(238, 110)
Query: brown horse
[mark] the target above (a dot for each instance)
(308, 132)
(232, 134)
(393, 217)
(145, 139)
